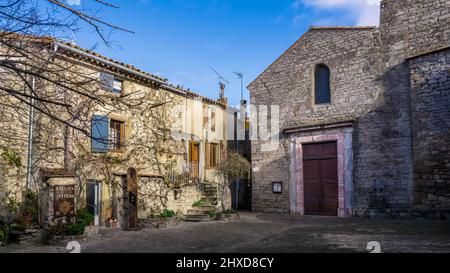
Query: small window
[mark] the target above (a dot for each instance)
(116, 134)
(322, 84)
(277, 187)
(212, 155)
(213, 119)
(110, 83)
(209, 118)
(117, 86)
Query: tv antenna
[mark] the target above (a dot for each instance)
(240, 76)
(221, 78)
(222, 81)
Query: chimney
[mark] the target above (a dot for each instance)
(222, 91)
(222, 98)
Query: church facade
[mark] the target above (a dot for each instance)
(364, 116)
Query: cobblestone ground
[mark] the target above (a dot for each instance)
(279, 233)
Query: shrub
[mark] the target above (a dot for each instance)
(213, 214)
(76, 229)
(165, 214)
(84, 217)
(4, 235)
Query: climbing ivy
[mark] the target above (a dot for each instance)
(11, 157)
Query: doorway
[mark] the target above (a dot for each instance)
(320, 169)
(93, 200)
(194, 159)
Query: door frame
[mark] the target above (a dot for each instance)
(97, 200)
(318, 159)
(345, 171)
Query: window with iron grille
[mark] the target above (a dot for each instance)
(116, 134)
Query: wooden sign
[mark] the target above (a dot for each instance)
(64, 203)
(132, 198)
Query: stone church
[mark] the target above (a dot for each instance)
(364, 119)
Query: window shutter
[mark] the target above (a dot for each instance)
(213, 120)
(107, 81)
(100, 128)
(207, 155)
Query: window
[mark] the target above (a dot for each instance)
(106, 134)
(277, 187)
(110, 82)
(117, 86)
(116, 134)
(212, 155)
(209, 118)
(213, 119)
(322, 84)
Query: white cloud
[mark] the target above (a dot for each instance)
(74, 2)
(365, 12)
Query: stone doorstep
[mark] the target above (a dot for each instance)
(197, 218)
(161, 223)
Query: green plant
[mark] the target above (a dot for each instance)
(213, 214)
(4, 234)
(76, 229)
(84, 217)
(234, 167)
(11, 157)
(199, 203)
(12, 205)
(30, 207)
(165, 214)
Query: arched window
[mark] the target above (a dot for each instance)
(322, 84)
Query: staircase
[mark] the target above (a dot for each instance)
(200, 214)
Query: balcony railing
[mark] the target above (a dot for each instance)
(189, 174)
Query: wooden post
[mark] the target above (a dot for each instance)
(133, 222)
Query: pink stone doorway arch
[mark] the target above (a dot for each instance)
(345, 170)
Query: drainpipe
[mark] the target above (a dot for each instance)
(30, 133)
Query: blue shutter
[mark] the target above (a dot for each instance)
(107, 81)
(100, 129)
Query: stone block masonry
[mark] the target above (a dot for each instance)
(430, 104)
(397, 105)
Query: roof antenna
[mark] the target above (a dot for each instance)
(222, 82)
(240, 76)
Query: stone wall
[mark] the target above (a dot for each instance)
(430, 101)
(155, 196)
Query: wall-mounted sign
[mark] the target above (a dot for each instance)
(64, 203)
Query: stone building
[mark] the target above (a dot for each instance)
(172, 137)
(364, 118)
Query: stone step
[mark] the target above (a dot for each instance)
(196, 217)
(198, 211)
(207, 207)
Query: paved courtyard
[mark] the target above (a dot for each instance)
(279, 233)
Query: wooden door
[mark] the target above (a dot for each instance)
(320, 179)
(194, 158)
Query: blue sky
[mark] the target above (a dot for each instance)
(181, 39)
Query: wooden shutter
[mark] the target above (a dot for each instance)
(213, 119)
(99, 132)
(207, 155)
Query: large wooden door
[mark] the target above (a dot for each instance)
(320, 179)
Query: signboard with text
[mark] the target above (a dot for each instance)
(64, 203)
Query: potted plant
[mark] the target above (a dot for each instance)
(167, 218)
